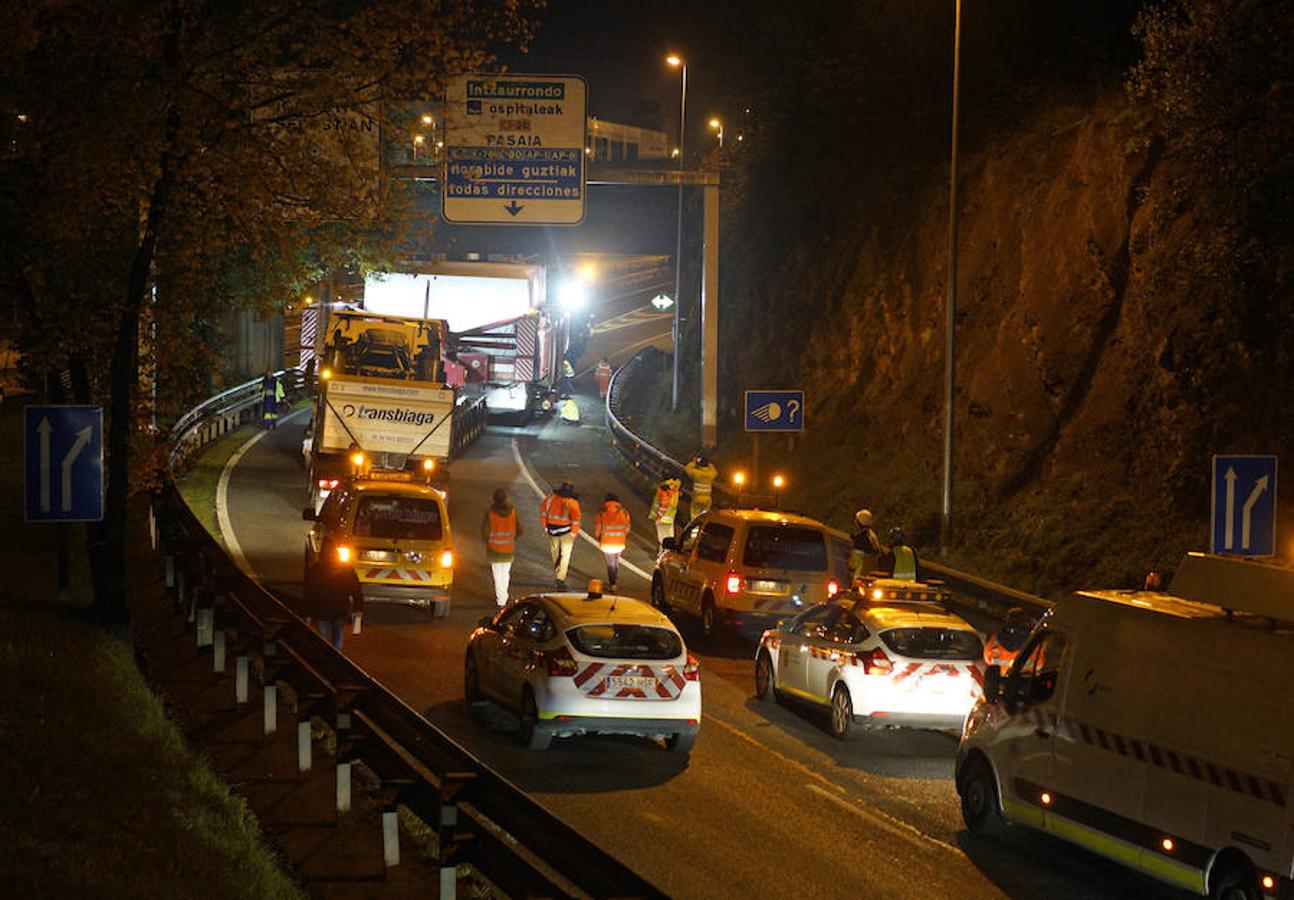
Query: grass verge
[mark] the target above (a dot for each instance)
(198, 483)
(102, 795)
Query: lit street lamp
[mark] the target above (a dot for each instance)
(418, 141)
(717, 126)
(677, 61)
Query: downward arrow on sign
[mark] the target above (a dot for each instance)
(513, 208)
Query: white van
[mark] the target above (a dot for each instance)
(1156, 729)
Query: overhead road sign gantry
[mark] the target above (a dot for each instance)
(774, 410)
(1243, 522)
(514, 150)
(64, 463)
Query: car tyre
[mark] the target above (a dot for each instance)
(534, 737)
(472, 682)
(979, 801)
(1236, 881)
(658, 595)
(764, 679)
(842, 712)
(681, 742)
(708, 625)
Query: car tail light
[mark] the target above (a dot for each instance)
(833, 587)
(692, 671)
(560, 663)
(343, 553)
(447, 559)
(735, 583)
(327, 484)
(875, 662)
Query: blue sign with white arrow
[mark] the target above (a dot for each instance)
(774, 410)
(64, 465)
(1244, 506)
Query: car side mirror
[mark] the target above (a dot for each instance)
(993, 684)
(669, 543)
(308, 514)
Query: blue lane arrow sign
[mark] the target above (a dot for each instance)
(64, 465)
(1244, 505)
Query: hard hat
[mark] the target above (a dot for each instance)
(863, 517)
(896, 535)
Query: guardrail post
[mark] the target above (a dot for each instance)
(304, 761)
(271, 718)
(218, 641)
(448, 882)
(241, 666)
(390, 838)
(343, 786)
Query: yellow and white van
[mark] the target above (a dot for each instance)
(1156, 729)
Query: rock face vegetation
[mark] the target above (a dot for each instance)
(1124, 303)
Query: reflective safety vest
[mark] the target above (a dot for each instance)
(604, 371)
(560, 515)
(611, 527)
(997, 655)
(905, 563)
(570, 410)
(502, 537)
(665, 506)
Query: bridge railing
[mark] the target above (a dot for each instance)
(645, 466)
(477, 815)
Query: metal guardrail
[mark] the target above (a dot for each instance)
(645, 466)
(478, 816)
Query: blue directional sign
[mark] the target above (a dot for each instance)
(774, 410)
(64, 467)
(1244, 505)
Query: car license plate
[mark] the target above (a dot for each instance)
(768, 587)
(636, 682)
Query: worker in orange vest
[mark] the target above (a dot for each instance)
(560, 515)
(664, 508)
(1002, 648)
(603, 373)
(500, 529)
(611, 528)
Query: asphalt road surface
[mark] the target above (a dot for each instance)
(768, 805)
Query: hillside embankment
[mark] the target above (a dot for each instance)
(1100, 359)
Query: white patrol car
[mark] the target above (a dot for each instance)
(875, 662)
(571, 664)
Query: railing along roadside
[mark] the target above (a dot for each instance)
(645, 466)
(479, 818)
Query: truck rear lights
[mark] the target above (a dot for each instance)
(560, 663)
(875, 662)
(692, 671)
(833, 587)
(343, 553)
(328, 484)
(447, 559)
(734, 583)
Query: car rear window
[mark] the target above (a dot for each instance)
(626, 641)
(785, 547)
(398, 518)
(934, 643)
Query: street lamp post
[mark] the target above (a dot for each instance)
(945, 521)
(677, 61)
(717, 126)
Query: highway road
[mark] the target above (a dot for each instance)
(768, 805)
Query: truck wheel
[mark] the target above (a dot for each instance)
(708, 623)
(1235, 881)
(764, 689)
(842, 712)
(439, 609)
(978, 790)
(658, 595)
(681, 742)
(534, 737)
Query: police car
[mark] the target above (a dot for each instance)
(571, 664)
(876, 662)
(395, 532)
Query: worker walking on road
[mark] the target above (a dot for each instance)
(664, 507)
(333, 592)
(566, 384)
(501, 528)
(271, 398)
(703, 474)
(560, 515)
(901, 561)
(865, 547)
(611, 528)
(603, 373)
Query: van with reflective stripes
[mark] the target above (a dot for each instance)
(1156, 729)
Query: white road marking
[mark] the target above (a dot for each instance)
(629, 319)
(222, 500)
(892, 824)
(541, 494)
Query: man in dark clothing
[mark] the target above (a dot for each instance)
(333, 592)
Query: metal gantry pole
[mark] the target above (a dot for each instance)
(678, 247)
(945, 522)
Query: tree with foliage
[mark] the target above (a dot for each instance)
(167, 159)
